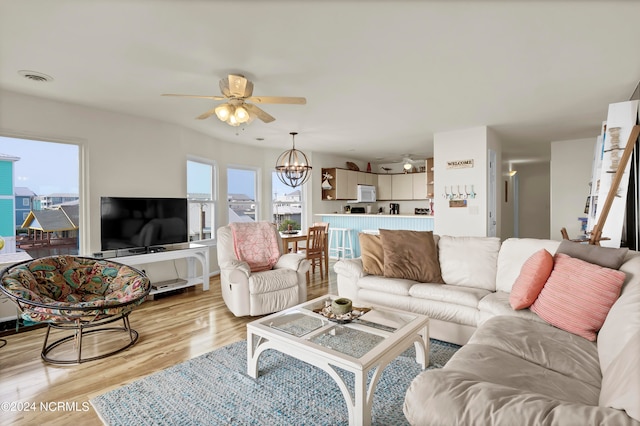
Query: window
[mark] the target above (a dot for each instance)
(31, 170)
(242, 194)
(286, 204)
(201, 196)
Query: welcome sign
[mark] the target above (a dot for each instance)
(460, 164)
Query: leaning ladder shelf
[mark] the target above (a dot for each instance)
(596, 233)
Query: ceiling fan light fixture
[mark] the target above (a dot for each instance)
(292, 166)
(407, 166)
(241, 114)
(223, 112)
(232, 121)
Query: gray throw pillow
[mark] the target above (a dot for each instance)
(606, 257)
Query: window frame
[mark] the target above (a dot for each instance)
(214, 196)
(303, 200)
(257, 184)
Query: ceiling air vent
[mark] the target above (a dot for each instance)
(35, 76)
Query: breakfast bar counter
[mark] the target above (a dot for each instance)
(372, 222)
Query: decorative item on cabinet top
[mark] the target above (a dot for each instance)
(326, 177)
(353, 166)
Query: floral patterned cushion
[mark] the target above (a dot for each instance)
(68, 288)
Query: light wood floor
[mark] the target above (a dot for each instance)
(172, 329)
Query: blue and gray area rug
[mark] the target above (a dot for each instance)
(214, 389)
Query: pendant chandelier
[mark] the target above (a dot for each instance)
(292, 166)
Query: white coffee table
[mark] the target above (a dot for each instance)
(367, 344)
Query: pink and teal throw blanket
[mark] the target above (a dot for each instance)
(256, 243)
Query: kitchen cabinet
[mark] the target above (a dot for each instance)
(402, 186)
(343, 184)
(396, 187)
(419, 186)
(365, 178)
(346, 184)
(389, 187)
(384, 187)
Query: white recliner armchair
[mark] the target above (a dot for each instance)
(264, 292)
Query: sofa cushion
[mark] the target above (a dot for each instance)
(513, 253)
(467, 296)
(607, 257)
(386, 285)
(533, 276)
(272, 281)
(578, 295)
(371, 253)
(618, 349)
(443, 311)
(445, 397)
(541, 344)
(497, 303)
(621, 381)
(411, 255)
(493, 365)
(469, 261)
(631, 268)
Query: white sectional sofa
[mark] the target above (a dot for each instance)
(514, 368)
(478, 273)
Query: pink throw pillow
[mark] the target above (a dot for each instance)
(578, 295)
(533, 275)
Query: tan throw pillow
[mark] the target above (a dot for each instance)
(372, 254)
(410, 255)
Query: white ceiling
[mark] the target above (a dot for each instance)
(380, 77)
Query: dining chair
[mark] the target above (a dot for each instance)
(325, 253)
(315, 249)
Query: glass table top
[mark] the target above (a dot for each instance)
(354, 338)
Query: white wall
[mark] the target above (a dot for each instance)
(534, 201)
(126, 155)
(468, 144)
(571, 163)
(494, 143)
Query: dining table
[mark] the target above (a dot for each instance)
(293, 238)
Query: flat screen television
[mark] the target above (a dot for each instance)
(142, 223)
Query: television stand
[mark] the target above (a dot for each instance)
(169, 284)
(191, 252)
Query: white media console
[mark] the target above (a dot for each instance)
(191, 252)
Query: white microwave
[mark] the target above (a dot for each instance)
(366, 194)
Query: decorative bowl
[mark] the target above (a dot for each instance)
(341, 306)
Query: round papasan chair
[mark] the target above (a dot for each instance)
(79, 295)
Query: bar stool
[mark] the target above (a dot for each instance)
(342, 238)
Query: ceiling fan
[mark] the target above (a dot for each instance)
(407, 161)
(238, 91)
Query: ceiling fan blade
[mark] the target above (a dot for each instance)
(215, 98)
(277, 100)
(206, 114)
(262, 115)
